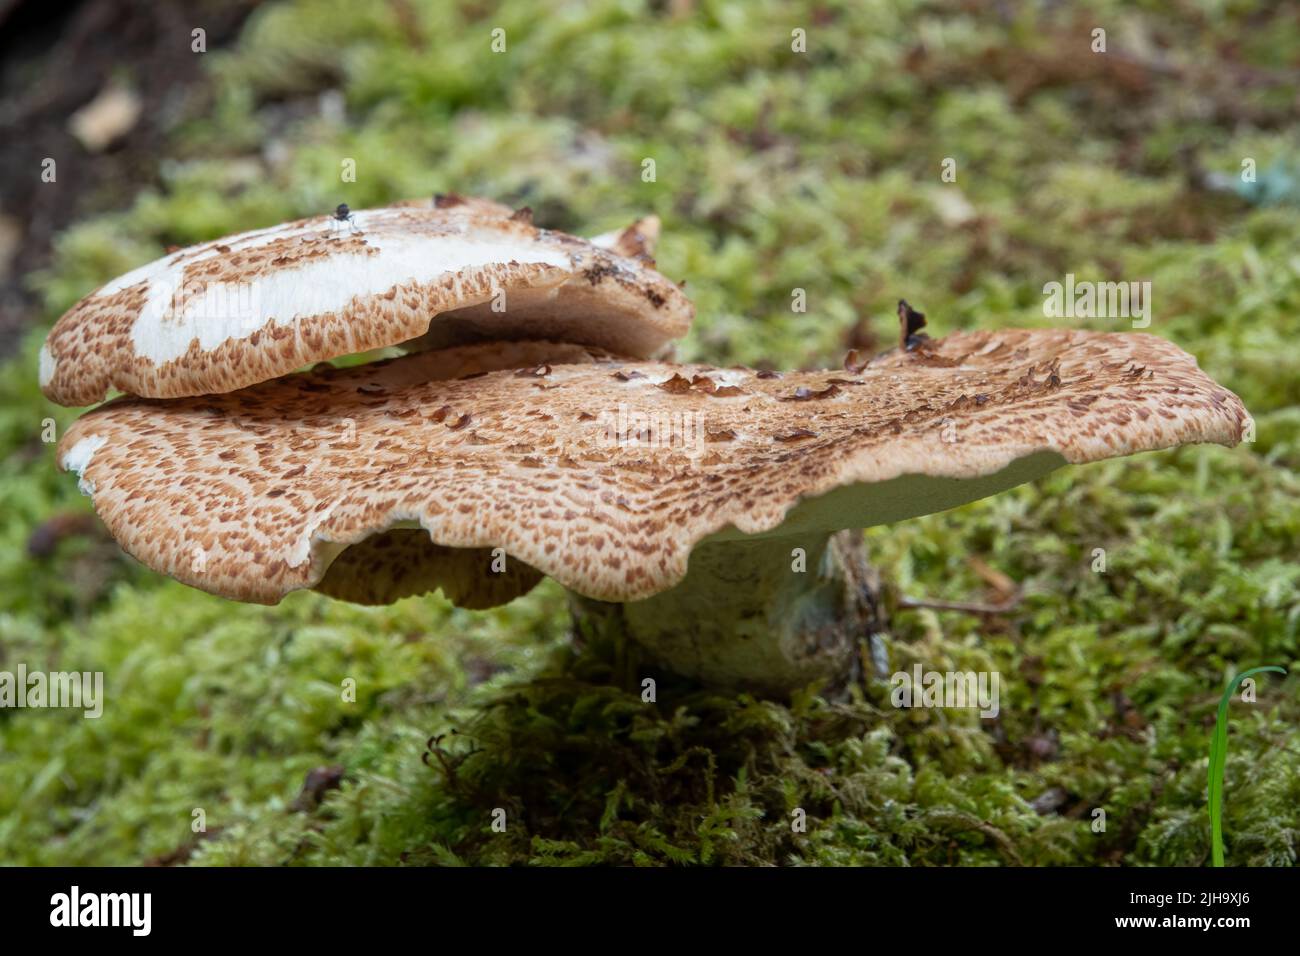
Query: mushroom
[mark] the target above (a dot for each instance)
(226, 314)
(698, 512)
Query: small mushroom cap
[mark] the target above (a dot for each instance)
(605, 474)
(227, 314)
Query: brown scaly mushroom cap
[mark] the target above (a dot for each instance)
(223, 315)
(606, 474)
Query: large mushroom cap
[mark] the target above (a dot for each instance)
(223, 315)
(605, 474)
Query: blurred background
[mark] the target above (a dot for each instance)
(794, 146)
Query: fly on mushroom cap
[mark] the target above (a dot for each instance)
(223, 315)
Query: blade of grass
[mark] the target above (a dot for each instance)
(1219, 757)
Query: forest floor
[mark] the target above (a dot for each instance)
(774, 171)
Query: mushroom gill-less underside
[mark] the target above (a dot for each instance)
(227, 314)
(606, 473)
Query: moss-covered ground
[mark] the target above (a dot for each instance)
(774, 170)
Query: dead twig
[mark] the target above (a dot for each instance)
(963, 607)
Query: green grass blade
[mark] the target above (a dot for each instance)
(1219, 757)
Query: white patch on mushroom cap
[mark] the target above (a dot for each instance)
(47, 365)
(236, 310)
(77, 458)
(731, 377)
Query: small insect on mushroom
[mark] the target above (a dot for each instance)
(342, 214)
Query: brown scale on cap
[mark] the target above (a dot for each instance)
(271, 482)
(223, 315)
(637, 241)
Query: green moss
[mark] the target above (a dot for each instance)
(774, 171)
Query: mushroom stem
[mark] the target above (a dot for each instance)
(769, 616)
